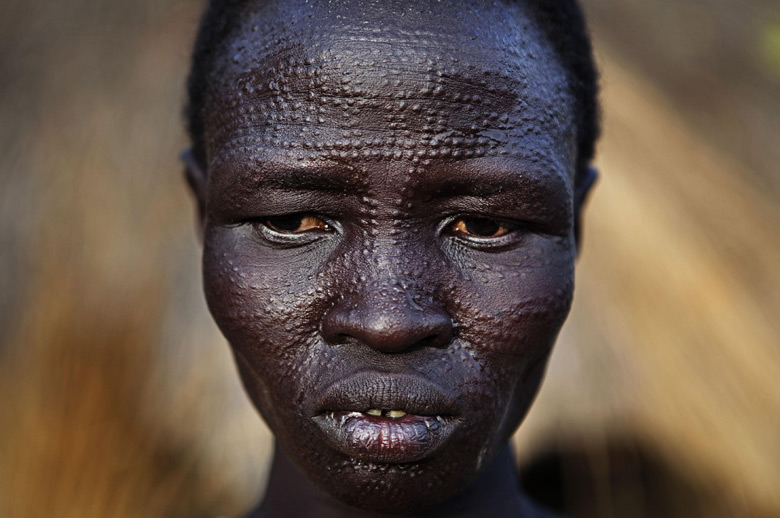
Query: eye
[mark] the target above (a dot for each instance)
(296, 224)
(482, 228)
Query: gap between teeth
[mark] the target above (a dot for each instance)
(392, 414)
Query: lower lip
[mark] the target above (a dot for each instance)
(385, 440)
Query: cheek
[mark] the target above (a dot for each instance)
(267, 310)
(245, 295)
(509, 312)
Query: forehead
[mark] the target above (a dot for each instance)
(390, 80)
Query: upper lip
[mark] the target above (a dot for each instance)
(370, 389)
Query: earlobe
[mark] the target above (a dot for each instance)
(196, 180)
(583, 185)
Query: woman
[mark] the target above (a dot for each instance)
(389, 197)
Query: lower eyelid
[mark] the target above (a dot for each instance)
(268, 235)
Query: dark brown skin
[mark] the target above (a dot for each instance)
(388, 215)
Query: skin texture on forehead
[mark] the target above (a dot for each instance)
(390, 122)
(439, 81)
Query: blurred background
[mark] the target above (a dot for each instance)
(118, 397)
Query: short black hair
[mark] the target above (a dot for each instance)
(562, 22)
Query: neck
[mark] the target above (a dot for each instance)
(495, 492)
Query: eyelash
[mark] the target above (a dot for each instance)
(272, 233)
(456, 227)
(514, 231)
(315, 223)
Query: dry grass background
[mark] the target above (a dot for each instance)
(117, 394)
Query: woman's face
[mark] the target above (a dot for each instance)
(388, 231)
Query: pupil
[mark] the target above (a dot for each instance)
(289, 223)
(481, 226)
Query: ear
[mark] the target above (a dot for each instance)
(583, 183)
(196, 180)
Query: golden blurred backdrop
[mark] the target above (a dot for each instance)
(118, 397)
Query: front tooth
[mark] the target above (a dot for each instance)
(374, 412)
(395, 414)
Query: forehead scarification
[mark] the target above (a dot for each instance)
(338, 83)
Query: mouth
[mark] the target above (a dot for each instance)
(383, 418)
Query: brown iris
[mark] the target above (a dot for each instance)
(295, 223)
(480, 227)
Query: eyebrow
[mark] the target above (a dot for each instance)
(303, 179)
(487, 177)
(268, 173)
(477, 177)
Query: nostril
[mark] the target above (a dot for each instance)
(344, 338)
(434, 340)
(428, 340)
(388, 328)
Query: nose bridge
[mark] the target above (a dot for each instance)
(391, 308)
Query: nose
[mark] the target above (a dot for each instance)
(388, 323)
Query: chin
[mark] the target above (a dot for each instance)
(394, 488)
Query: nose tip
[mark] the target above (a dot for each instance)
(388, 327)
